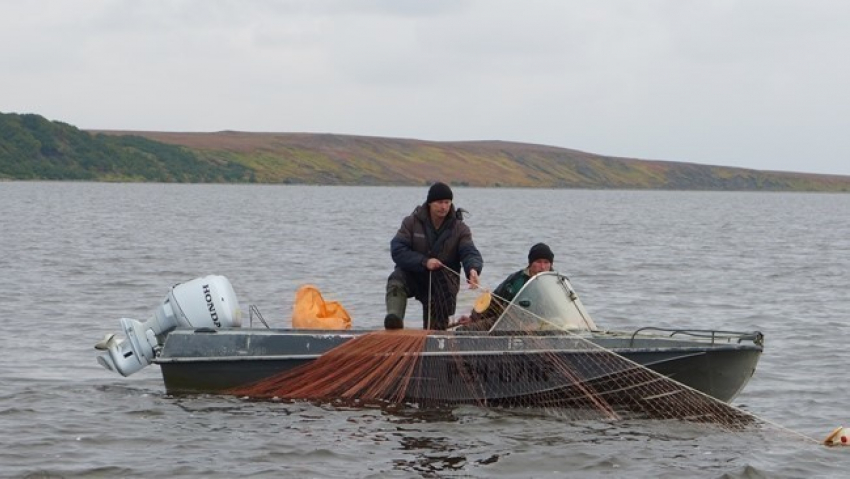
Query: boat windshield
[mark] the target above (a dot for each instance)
(546, 302)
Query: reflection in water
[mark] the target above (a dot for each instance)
(433, 453)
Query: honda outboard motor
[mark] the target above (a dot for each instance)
(207, 302)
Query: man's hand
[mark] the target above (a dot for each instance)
(433, 264)
(473, 279)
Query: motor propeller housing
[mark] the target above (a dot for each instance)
(207, 302)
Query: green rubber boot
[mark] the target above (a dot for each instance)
(396, 306)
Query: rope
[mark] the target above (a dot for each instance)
(430, 298)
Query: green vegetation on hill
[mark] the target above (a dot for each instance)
(34, 148)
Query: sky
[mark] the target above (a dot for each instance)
(761, 84)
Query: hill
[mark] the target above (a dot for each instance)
(34, 148)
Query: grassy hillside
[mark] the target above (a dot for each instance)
(358, 160)
(32, 147)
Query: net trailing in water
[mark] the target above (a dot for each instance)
(533, 355)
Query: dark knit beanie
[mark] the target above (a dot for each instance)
(439, 191)
(540, 251)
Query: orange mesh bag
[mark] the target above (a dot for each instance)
(311, 311)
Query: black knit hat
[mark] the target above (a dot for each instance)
(540, 251)
(439, 191)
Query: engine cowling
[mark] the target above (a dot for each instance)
(207, 302)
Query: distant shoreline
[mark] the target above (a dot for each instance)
(34, 148)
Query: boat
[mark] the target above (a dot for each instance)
(196, 338)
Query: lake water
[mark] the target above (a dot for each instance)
(76, 257)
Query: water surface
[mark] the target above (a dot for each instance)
(78, 256)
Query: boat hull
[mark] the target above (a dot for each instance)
(507, 369)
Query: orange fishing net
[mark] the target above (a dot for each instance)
(414, 366)
(371, 367)
(529, 363)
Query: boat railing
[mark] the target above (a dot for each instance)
(254, 311)
(715, 335)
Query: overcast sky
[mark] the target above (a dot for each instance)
(761, 84)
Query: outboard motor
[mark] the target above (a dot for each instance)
(207, 302)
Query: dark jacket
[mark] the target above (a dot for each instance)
(416, 241)
(511, 285)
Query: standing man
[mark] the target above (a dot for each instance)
(428, 250)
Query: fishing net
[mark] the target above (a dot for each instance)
(541, 352)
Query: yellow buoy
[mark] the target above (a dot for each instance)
(838, 437)
(482, 302)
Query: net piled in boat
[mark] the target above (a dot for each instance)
(374, 367)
